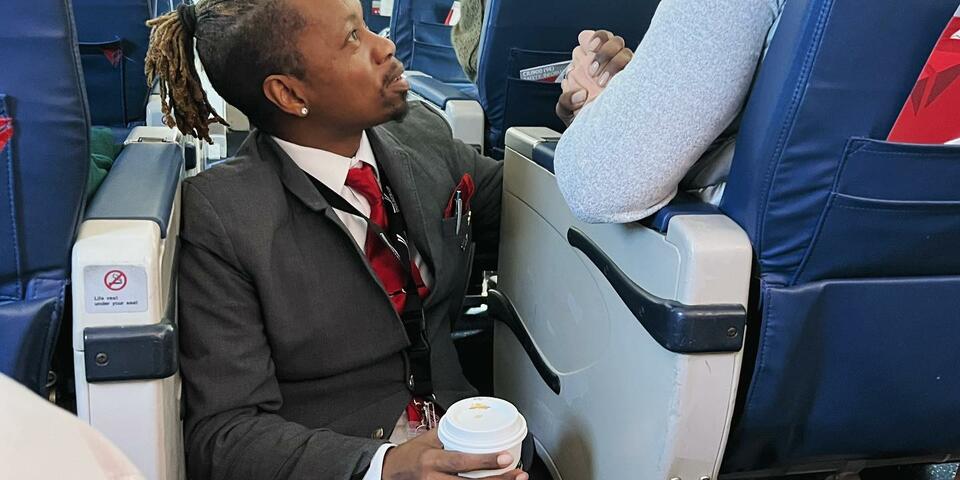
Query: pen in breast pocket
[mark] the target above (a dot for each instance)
(458, 198)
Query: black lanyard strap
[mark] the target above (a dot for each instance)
(419, 380)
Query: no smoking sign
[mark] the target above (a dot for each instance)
(115, 280)
(115, 289)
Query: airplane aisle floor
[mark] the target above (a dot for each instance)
(946, 471)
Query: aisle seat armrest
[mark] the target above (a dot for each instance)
(141, 185)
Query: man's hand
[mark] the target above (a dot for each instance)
(423, 458)
(607, 55)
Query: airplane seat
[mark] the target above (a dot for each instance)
(423, 40)
(44, 152)
(854, 241)
(805, 325)
(372, 16)
(424, 47)
(115, 269)
(518, 35)
(113, 45)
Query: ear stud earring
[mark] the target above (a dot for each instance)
(304, 111)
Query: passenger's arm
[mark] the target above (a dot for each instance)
(232, 429)
(625, 153)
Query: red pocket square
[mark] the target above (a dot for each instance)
(466, 188)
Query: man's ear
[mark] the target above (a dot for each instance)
(284, 92)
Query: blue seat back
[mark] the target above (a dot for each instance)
(519, 34)
(423, 41)
(43, 173)
(114, 39)
(855, 241)
(375, 21)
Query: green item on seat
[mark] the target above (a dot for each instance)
(102, 154)
(101, 141)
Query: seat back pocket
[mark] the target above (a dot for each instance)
(894, 210)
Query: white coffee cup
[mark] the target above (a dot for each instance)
(483, 425)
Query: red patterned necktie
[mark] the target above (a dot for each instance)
(384, 263)
(420, 414)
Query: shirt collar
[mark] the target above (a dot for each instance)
(328, 167)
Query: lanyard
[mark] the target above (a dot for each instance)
(414, 321)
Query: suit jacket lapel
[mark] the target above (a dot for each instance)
(395, 162)
(296, 181)
(292, 177)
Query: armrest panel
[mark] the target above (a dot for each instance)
(676, 327)
(141, 185)
(613, 370)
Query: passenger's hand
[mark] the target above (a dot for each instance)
(612, 56)
(423, 458)
(571, 101)
(607, 55)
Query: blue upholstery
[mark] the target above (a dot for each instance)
(543, 154)
(116, 86)
(853, 369)
(518, 34)
(435, 91)
(834, 71)
(683, 204)
(42, 179)
(376, 23)
(855, 240)
(423, 41)
(161, 7)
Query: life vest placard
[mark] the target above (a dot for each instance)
(115, 289)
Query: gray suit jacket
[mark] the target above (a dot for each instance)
(290, 351)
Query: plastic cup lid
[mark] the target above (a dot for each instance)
(482, 424)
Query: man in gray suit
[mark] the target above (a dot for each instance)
(294, 359)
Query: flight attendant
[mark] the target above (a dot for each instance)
(321, 268)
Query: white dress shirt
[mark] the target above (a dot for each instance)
(331, 170)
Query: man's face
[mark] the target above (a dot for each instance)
(352, 79)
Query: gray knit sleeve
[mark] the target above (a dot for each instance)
(625, 154)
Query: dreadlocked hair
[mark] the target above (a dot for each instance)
(170, 61)
(239, 43)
